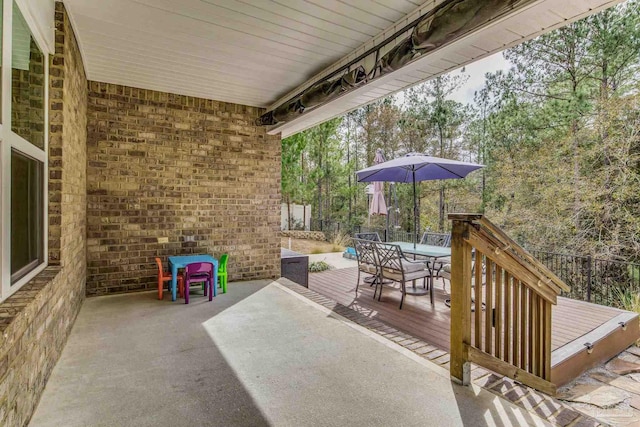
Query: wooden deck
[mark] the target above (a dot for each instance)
(573, 321)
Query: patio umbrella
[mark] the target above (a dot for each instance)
(416, 167)
(378, 205)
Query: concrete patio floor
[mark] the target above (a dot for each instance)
(258, 355)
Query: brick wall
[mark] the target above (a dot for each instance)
(35, 322)
(193, 170)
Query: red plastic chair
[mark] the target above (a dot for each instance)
(165, 277)
(198, 272)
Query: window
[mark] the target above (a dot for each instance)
(27, 83)
(26, 215)
(23, 149)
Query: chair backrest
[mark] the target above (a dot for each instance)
(197, 269)
(389, 256)
(365, 252)
(222, 264)
(374, 237)
(160, 269)
(436, 239)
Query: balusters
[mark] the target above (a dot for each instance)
(478, 299)
(533, 350)
(547, 341)
(516, 325)
(523, 326)
(512, 329)
(508, 310)
(516, 321)
(498, 314)
(540, 335)
(488, 320)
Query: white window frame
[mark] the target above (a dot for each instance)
(10, 140)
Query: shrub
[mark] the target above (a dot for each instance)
(340, 240)
(318, 266)
(629, 300)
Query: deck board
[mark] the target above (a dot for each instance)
(431, 323)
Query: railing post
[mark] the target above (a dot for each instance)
(460, 302)
(589, 278)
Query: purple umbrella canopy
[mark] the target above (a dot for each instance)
(378, 206)
(416, 167)
(424, 167)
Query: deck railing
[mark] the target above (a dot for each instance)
(596, 280)
(504, 325)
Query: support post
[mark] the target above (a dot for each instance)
(460, 302)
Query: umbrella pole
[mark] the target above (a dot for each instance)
(386, 234)
(415, 212)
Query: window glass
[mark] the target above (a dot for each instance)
(26, 215)
(27, 83)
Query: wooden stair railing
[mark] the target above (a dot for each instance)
(503, 323)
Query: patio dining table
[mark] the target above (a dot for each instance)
(181, 261)
(429, 251)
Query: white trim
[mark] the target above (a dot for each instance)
(45, 167)
(7, 28)
(25, 147)
(16, 286)
(5, 152)
(10, 140)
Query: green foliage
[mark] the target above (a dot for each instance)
(628, 299)
(318, 266)
(559, 134)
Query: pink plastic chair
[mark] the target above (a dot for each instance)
(198, 272)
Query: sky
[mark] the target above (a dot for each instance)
(476, 72)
